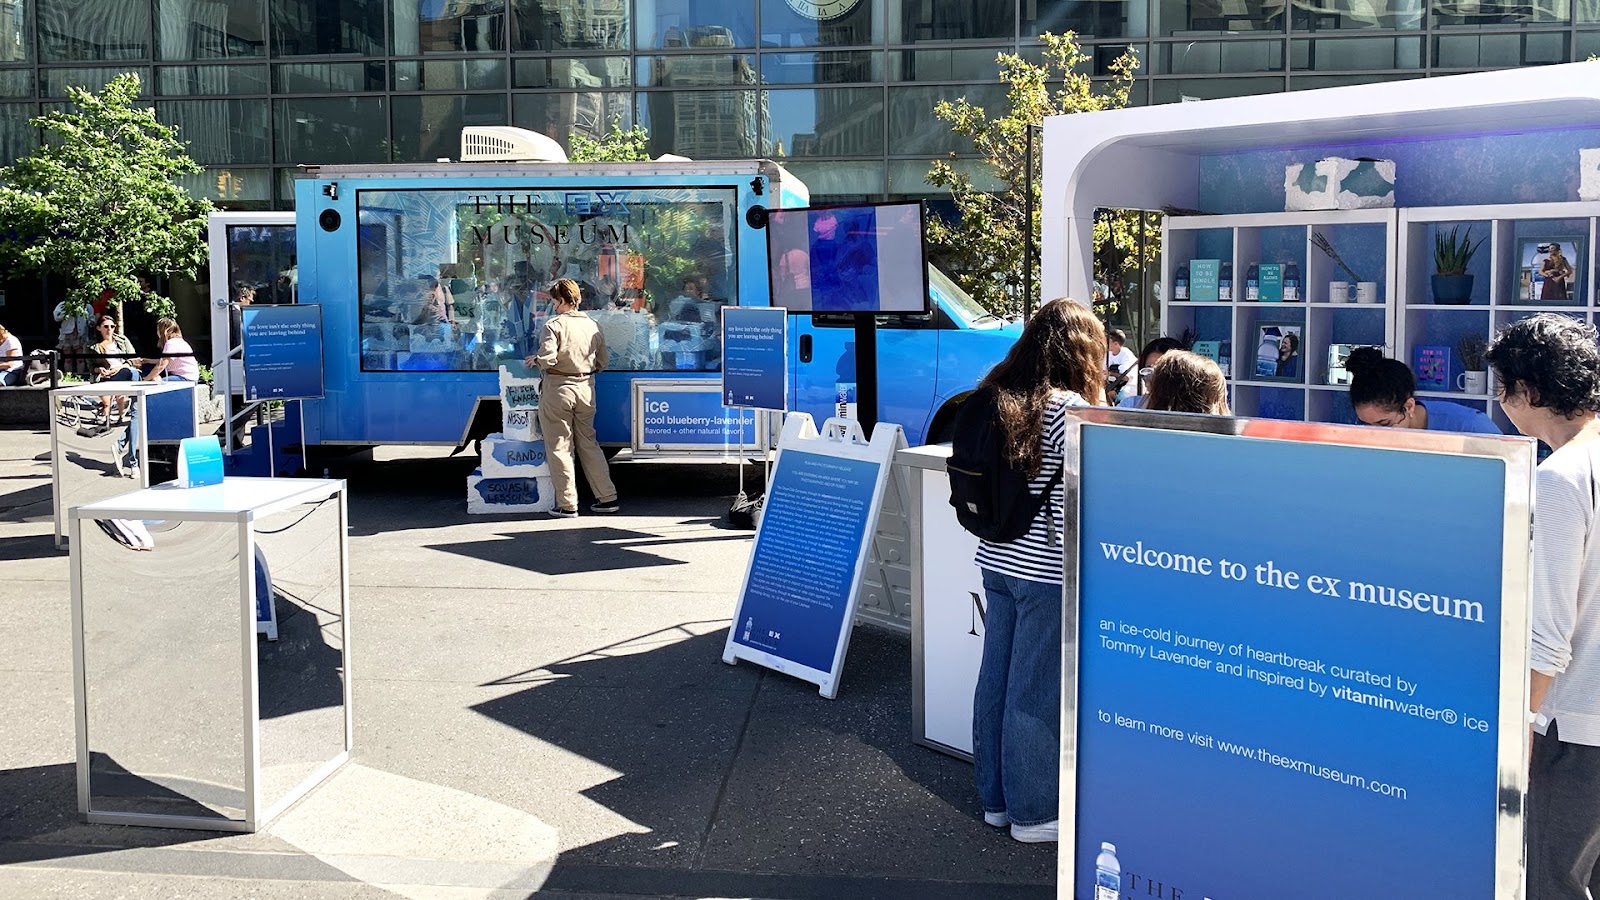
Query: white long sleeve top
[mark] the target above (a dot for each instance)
(1566, 591)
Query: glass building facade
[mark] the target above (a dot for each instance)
(841, 90)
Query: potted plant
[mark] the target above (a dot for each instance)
(1451, 255)
(1471, 347)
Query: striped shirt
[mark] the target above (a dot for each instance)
(1566, 590)
(1037, 555)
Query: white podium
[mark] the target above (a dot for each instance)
(85, 460)
(183, 719)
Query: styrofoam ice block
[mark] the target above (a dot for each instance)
(1339, 183)
(502, 458)
(517, 392)
(519, 424)
(509, 495)
(1589, 174)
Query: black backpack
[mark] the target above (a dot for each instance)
(990, 495)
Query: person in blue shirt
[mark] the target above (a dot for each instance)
(1383, 392)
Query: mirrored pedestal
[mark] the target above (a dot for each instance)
(97, 429)
(184, 720)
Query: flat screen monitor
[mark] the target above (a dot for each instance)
(848, 259)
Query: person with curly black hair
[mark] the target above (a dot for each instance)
(1384, 393)
(1547, 374)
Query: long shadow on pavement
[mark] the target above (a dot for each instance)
(751, 784)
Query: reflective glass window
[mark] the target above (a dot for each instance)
(706, 124)
(222, 81)
(826, 121)
(449, 26)
(428, 127)
(1356, 54)
(310, 27)
(950, 20)
(1182, 18)
(599, 71)
(565, 25)
(1210, 57)
(1321, 15)
(220, 131)
(821, 23)
(1492, 51)
(1175, 90)
(690, 71)
(450, 74)
(317, 130)
(16, 82)
(233, 188)
(946, 64)
(1501, 13)
(913, 129)
(16, 29)
(558, 115)
(822, 67)
(909, 177)
(1588, 11)
(329, 78)
(1588, 44)
(56, 81)
(17, 137)
(457, 280)
(836, 179)
(213, 29)
(1089, 18)
(695, 23)
(73, 30)
(1312, 82)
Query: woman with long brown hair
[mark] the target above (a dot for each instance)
(1059, 362)
(1187, 382)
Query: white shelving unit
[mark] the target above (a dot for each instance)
(1496, 295)
(1366, 239)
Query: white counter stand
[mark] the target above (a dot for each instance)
(946, 607)
(83, 455)
(182, 722)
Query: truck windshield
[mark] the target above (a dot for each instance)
(957, 300)
(458, 279)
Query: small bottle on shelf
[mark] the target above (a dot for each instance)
(1291, 283)
(1252, 283)
(1225, 282)
(1180, 283)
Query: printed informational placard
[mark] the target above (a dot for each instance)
(755, 357)
(282, 350)
(689, 416)
(1290, 703)
(798, 601)
(199, 462)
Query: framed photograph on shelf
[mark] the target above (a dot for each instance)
(1278, 351)
(1550, 270)
(1432, 367)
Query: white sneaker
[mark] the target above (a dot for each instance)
(1042, 833)
(997, 819)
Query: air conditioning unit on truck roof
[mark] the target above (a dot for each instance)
(502, 143)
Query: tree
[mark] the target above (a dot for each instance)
(615, 146)
(99, 202)
(984, 249)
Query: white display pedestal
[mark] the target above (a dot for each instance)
(946, 607)
(84, 457)
(183, 720)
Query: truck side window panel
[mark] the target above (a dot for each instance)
(458, 279)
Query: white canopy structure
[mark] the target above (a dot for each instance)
(1149, 157)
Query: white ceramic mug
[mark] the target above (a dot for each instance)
(1366, 292)
(1472, 382)
(1338, 292)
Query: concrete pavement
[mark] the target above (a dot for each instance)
(540, 707)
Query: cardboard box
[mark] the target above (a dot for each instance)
(1339, 183)
(502, 458)
(508, 495)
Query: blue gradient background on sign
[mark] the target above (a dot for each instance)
(282, 367)
(754, 372)
(697, 404)
(1216, 825)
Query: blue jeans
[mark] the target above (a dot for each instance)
(1016, 708)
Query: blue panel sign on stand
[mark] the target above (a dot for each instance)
(755, 361)
(1275, 698)
(689, 416)
(282, 349)
(799, 597)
